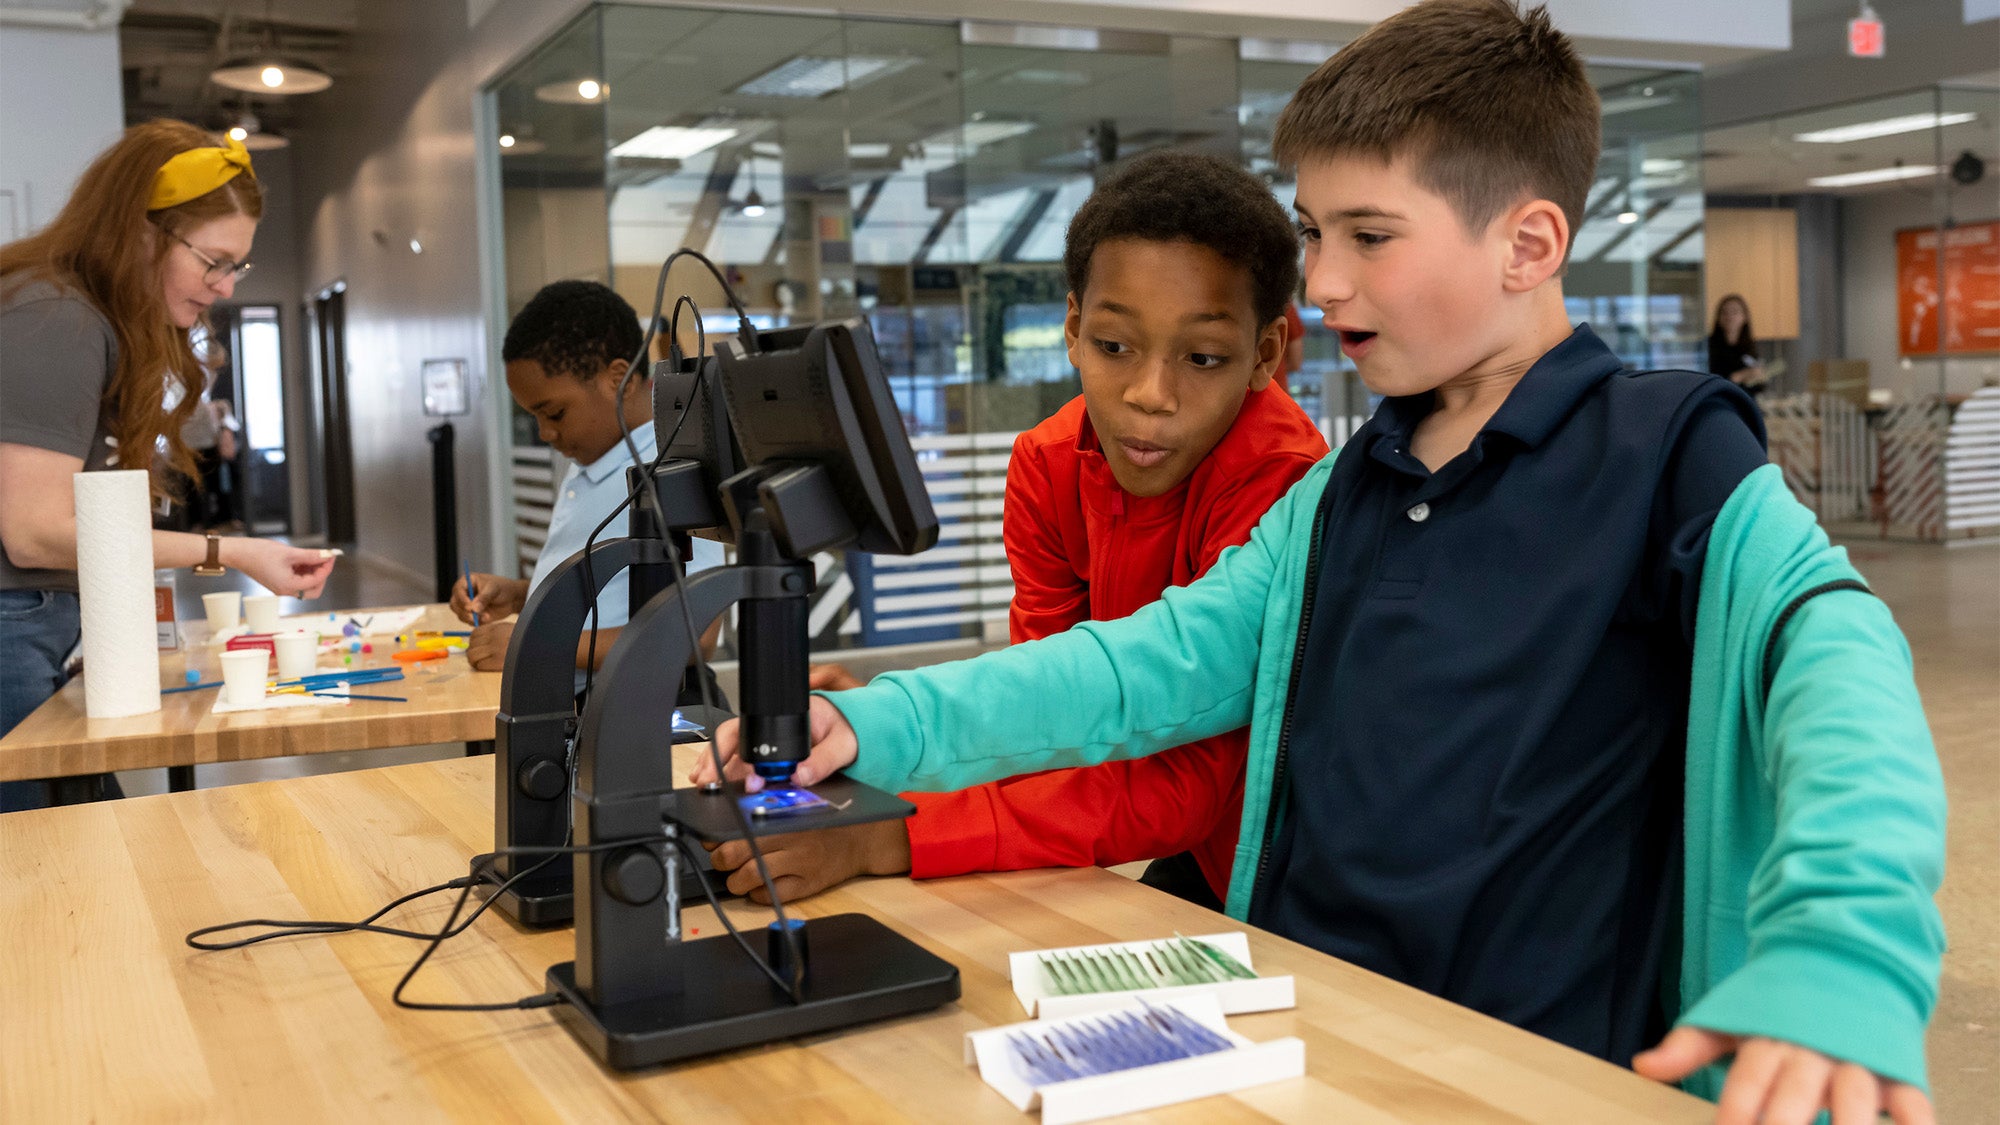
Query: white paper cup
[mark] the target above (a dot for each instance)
(298, 654)
(243, 673)
(224, 610)
(260, 612)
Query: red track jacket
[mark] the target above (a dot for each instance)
(1083, 549)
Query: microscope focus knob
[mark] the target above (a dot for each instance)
(633, 876)
(543, 779)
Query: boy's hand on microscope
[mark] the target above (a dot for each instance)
(834, 748)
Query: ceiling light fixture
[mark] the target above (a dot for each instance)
(1628, 217)
(1876, 176)
(267, 70)
(506, 140)
(673, 142)
(753, 203)
(806, 76)
(1886, 127)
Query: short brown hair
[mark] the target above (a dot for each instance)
(1491, 106)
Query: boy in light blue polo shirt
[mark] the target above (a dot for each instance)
(565, 354)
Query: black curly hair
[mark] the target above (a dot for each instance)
(574, 328)
(1173, 196)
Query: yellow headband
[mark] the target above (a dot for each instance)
(196, 172)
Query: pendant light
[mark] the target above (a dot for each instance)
(268, 71)
(753, 203)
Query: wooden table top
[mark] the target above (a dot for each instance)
(448, 702)
(109, 1016)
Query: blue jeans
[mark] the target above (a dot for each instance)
(38, 630)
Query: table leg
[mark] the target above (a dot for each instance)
(475, 749)
(180, 779)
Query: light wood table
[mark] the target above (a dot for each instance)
(109, 1016)
(448, 702)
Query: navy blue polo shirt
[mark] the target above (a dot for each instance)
(1479, 788)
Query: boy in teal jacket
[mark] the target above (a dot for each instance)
(1561, 708)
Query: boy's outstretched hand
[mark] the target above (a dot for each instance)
(834, 748)
(1773, 1082)
(806, 863)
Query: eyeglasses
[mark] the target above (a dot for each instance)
(217, 271)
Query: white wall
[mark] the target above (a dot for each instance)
(1869, 224)
(59, 107)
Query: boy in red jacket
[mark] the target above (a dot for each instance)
(1180, 269)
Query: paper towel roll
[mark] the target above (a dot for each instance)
(114, 577)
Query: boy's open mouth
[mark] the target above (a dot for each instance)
(1355, 343)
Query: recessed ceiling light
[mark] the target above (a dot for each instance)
(1876, 176)
(673, 142)
(238, 132)
(506, 140)
(1628, 217)
(1886, 127)
(975, 135)
(806, 76)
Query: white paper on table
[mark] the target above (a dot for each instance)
(381, 623)
(1141, 1088)
(1039, 996)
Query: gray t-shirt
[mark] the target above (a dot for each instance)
(57, 356)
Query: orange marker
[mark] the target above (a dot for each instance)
(418, 655)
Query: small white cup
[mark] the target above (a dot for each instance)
(298, 654)
(223, 609)
(243, 674)
(260, 612)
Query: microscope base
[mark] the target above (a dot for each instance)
(859, 970)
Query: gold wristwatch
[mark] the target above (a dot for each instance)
(212, 567)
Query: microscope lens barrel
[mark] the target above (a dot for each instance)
(773, 689)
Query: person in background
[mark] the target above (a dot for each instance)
(95, 313)
(1295, 344)
(1732, 346)
(565, 354)
(210, 433)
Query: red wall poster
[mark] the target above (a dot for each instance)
(1969, 305)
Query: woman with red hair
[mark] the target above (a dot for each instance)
(97, 372)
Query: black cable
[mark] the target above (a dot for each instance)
(708, 893)
(453, 927)
(297, 928)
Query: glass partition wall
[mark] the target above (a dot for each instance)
(922, 175)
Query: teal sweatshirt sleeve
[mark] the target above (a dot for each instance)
(1839, 939)
(1180, 669)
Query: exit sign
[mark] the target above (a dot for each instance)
(1864, 37)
